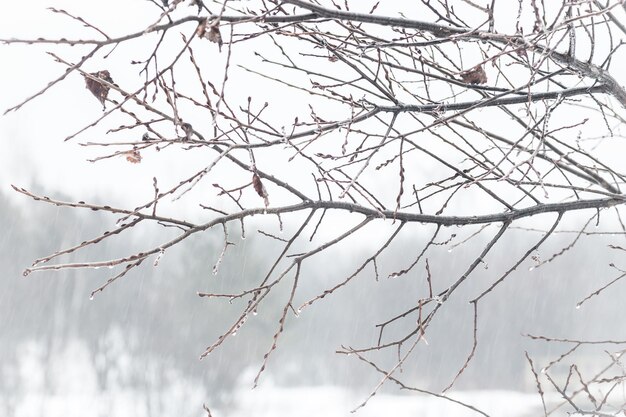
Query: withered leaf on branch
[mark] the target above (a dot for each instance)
(210, 31)
(187, 129)
(201, 30)
(476, 75)
(260, 188)
(134, 157)
(198, 4)
(98, 89)
(215, 35)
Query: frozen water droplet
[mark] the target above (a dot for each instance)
(110, 266)
(544, 370)
(91, 297)
(243, 237)
(578, 306)
(158, 258)
(449, 250)
(235, 333)
(531, 268)
(254, 313)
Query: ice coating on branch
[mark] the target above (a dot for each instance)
(159, 256)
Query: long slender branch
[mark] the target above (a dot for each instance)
(437, 30)
(507, 216)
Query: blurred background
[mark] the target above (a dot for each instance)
(134, 348)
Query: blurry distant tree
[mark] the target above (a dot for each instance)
(484, 115)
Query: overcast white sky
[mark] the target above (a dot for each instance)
(31, 140)
(32, 150)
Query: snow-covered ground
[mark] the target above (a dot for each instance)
(67, 386)
(275, 402)
(336, 402)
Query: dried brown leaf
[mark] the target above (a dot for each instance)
(476, 75)
(187, 129)
(215, 36)
(260, 188)
(201, 30)
(97, 88)
(210, 31)
(134, 157)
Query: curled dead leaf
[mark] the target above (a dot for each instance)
(476, 75)
(215, 35)
(198, 4)
(97, 88)
(210, 31)
(201, 30)
(187, 129)
(134, 157)
(260, 188)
